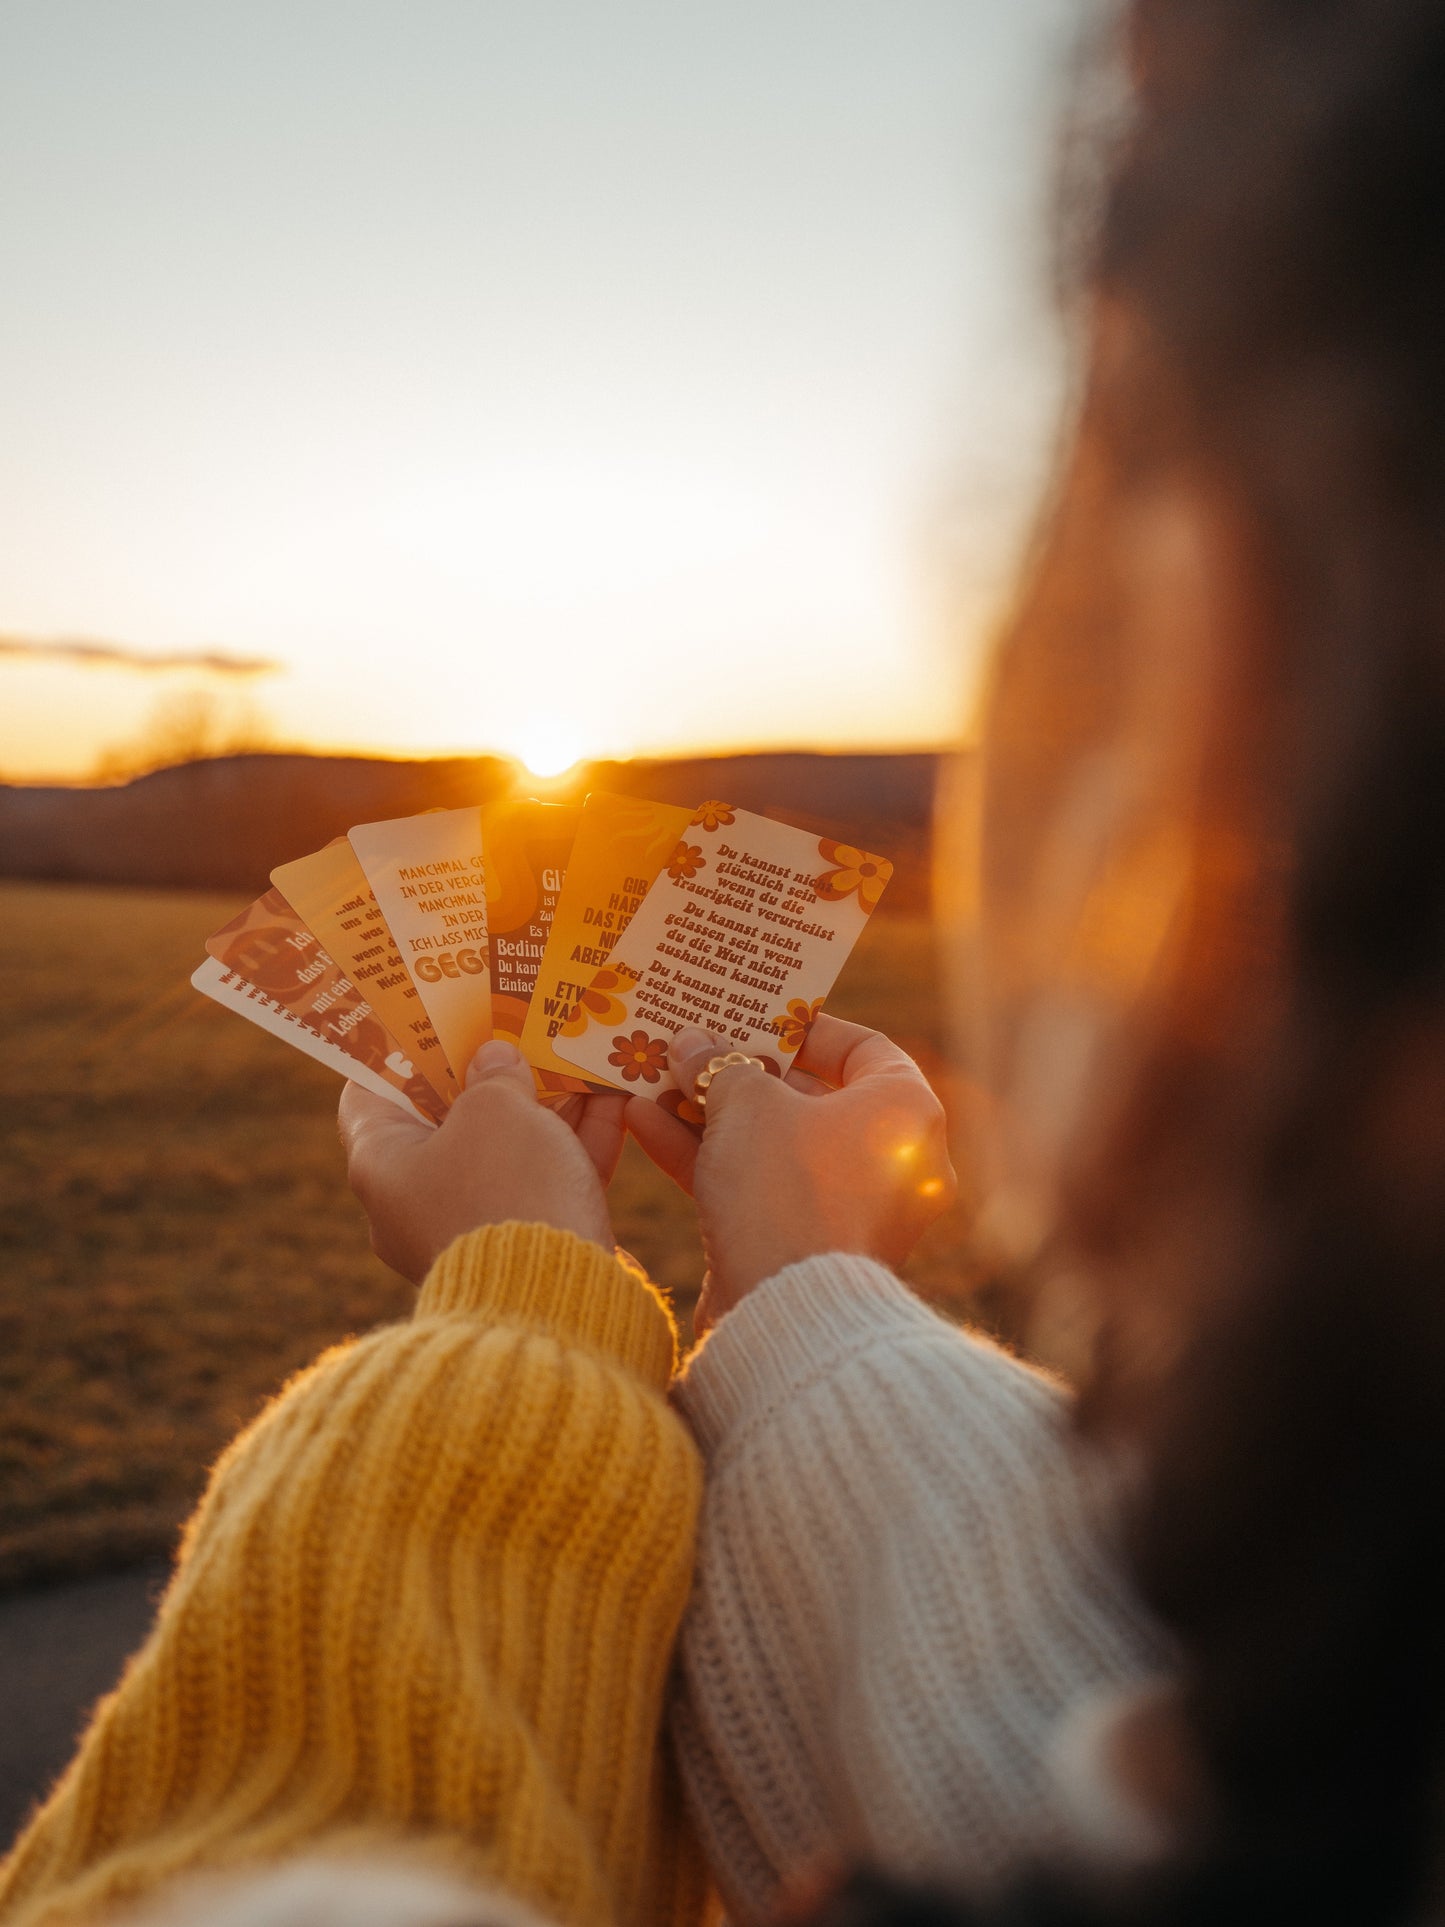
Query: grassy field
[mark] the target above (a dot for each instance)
(177, 1236)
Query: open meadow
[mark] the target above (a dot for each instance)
(177, 1236)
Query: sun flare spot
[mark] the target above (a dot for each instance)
(548, 745)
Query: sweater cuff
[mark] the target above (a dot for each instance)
(793, 1328)
(556, 1282)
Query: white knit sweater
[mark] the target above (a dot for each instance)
(908, 1579)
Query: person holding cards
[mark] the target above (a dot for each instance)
(1181, 1649)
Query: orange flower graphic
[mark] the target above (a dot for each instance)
(855, 870)
(639, 1056)
(794, 1024)
(712, 816)
(686, 860)
(597, 1005)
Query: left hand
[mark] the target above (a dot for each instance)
(498, 1154)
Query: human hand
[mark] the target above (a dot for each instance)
(498, 1154)
(848, 1153)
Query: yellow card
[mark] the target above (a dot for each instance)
(622, 844)
(431, 884)
(743, 933)
(528, 846)
(330, 892)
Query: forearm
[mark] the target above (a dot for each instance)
(906, 1573)
(431, 1592)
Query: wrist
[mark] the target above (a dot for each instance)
(740, 1267)
(555, 1280)
(793, 1331)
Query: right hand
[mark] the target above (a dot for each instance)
(848, 1154)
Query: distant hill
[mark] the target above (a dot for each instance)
(224, 823)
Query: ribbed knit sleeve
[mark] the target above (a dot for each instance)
(429, 1598)
(907, 1572)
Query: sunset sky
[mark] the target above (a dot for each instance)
(555, 376)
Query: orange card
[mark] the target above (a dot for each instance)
(330, 893)
(528, 846)
(269, 946)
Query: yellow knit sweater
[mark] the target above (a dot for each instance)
(429, 1599)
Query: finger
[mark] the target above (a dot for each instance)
(842, 1053)
(806, 1084)
(596, 1120)
(374, 1131)
(690, 1052)
(601, 1131)
(693, 1050)
(666, 1139)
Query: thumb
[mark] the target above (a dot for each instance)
(690, 1054)
(365, 1118)
(499, 1062)
(375, 1134)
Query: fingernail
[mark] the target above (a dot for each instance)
(688, 1043)
(495, 1055)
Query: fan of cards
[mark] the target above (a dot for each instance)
(587, 935)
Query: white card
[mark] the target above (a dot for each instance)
(232, 992)
(430, 884)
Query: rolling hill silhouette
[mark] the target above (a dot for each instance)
(225, 822)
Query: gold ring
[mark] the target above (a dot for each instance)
(715, 1064)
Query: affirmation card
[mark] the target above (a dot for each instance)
(431, 885)
(330, 893)
(528, 846)
(743, 934)
(269, 946)
(622, 844)
(232, 992)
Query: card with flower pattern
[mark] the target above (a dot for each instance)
(622, 843)
(744, 933)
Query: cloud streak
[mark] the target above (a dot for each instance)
(89, 653)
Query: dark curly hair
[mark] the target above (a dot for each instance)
(1260, 251)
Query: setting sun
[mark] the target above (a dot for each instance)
(548, 745)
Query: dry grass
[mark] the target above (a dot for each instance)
(177, 1234)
